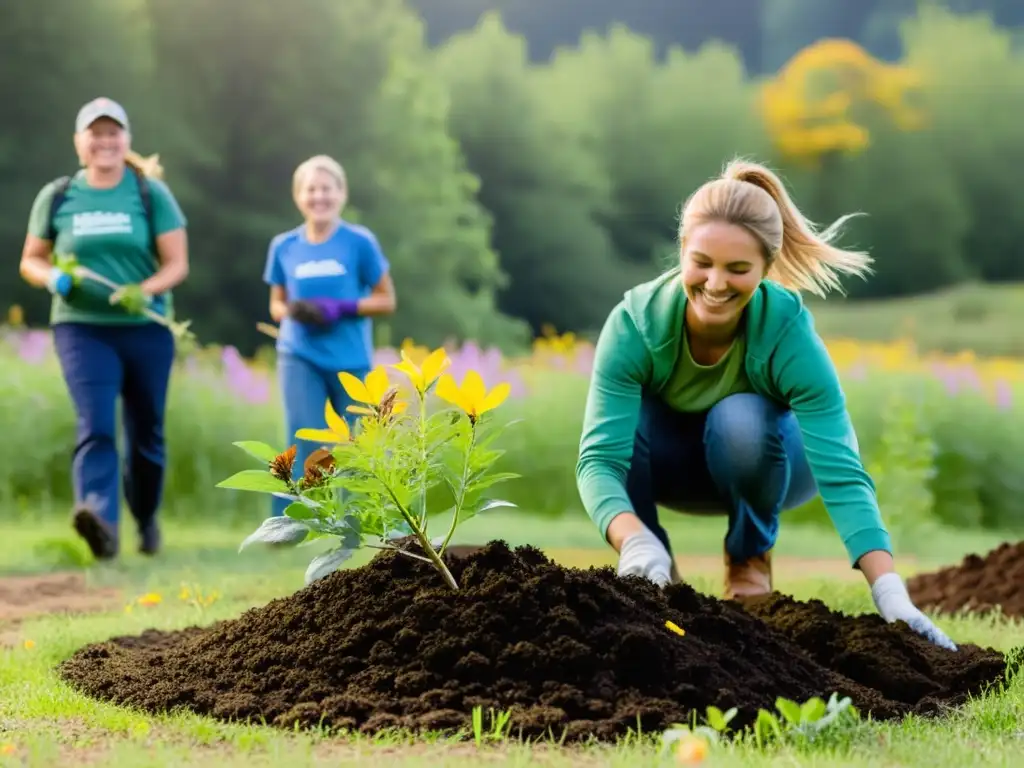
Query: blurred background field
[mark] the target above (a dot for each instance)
(941, 434)
(523, 163)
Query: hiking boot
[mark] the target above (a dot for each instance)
(149, 538)
(99, 535)
(750, 578)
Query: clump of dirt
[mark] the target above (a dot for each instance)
(977, 585)
(900, 665)
(572, 653)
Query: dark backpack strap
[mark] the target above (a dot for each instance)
(60, 193)
(146, 193)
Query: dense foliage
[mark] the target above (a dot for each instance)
(511, 191)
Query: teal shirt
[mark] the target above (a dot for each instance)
(109, 233)
(694, 388)
(785, 360)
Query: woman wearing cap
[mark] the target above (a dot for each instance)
(327, 279)
(712, 391)
(120, 221)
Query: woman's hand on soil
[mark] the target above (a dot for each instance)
(643, 554)
(894, 604)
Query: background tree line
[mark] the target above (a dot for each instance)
(519, 169)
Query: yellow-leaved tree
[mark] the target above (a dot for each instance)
(822, 103)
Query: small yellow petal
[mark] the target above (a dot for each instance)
(448, 390)
(474, 390)
(335, 423)
(399, 407)
(410, 370)
(318, 436)
(671, 625)
(377, 385)
(435, 363)
(496, 397)
(354, 387)
(361, 410)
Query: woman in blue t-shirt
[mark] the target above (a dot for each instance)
(327, 278)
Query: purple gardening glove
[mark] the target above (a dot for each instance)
(322, 311)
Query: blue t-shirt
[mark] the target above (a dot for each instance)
(346, 266)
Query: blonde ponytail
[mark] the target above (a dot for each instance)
(798, 256)
(147, 166)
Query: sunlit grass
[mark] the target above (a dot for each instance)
(44, 722)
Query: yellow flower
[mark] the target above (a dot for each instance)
(371, 393)
(8, 749)
(150, 599)
(15, 316)
(692, 750)
(337, 429)
(30, 644)
(426, 374)
(472, 396)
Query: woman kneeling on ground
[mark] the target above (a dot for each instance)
(327, 278)
(712, 391)
(120, 221)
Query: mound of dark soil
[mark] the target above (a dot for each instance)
(898, 664)
(978, 584)
(580, 653)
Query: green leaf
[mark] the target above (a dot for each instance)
(767, 724)
(812, 710)
(327, 563)
(299, 511)
(475, 486)
(257, 480)
(789, 709)
(258, 450)
(277, 530)
(352, 534)
(470, 511)
(716, 719)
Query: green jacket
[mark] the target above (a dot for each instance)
(786, 361)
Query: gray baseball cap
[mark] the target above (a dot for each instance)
(97, 108)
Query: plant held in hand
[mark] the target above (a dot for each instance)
(377, 484)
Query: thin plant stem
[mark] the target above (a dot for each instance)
(421, 535)
(461, 498)
(413, 555)
(423, 459)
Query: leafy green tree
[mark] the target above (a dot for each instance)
(975, 96)
(278, 84)
(658, 131)
(542, 190)
(52, 64)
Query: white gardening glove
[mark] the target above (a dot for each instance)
(643, 554)
(893, 603)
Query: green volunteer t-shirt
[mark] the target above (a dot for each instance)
(109, 233)
(695, 388)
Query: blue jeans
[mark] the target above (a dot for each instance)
(305, 389)
(101, 363)
(744, 457)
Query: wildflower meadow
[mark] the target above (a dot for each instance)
(942, 434)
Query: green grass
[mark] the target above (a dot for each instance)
(49, 724)
(967, 317)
